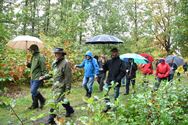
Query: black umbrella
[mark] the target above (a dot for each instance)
(104, 39)
(175, 59)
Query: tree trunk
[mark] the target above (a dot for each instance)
(25, 18)
(61, 11)
(33, 9)
(135, 22)
(1, 6)
(47, 17)
(38, 24)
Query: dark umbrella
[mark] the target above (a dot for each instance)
(104, 39)
(175, 59)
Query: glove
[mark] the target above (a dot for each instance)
(114, 84)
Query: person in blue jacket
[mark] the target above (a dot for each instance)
(91, 69)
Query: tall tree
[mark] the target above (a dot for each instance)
(33, 16)
(47, 16)
(25, 13)
(163, 18)
(181, 31)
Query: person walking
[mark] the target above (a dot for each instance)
(162, 72)
(102, 74)
(179, 71)
(116, 71)
(185, 67)
(62, 78)
(37, 69)
(131, 69)
(91, 69)
(173, 68)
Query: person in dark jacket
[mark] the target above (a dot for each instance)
(185, 67)
(117, 70)
(37, 66)
(131, 69)
(91, 69)
(101, 77)
(173, 68)
(62, 78)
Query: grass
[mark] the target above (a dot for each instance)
(76, 98)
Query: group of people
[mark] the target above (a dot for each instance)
(62, 78)
(109, 74)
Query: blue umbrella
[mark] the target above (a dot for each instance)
(104, 39)
(175, 59)
(137, 58)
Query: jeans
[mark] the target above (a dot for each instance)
(88, 83)
(34, 85)
(128, 81)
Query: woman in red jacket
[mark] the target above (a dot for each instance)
(162, 71)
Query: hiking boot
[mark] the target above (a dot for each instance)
(34, 103)
(69, 109)
(51, 120)
(42, 100)
(32, 107)
(106, 109)
(89, 95)
(86, 94)
(126, 93)
(68, 114)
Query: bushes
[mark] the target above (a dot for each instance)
(167, 106)
(13, 67)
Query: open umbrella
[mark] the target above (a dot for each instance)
(104, 39)
(24, 42)
(176, 59)
(147, 56)
(137, 58)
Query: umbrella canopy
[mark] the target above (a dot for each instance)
(24, 42)
(104, 39)
(176, 59)
(137, 58)
(148, 57)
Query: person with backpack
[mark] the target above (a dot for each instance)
(38, 69)
(131, 69)
(62, 78)
(173, 68)
(91, 69)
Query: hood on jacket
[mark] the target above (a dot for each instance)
(89, 53)
(162, 61)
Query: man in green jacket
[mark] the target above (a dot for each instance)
(38, 69)
(62, 78)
